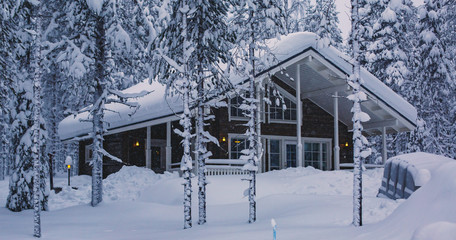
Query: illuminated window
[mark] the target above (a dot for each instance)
(237, 145)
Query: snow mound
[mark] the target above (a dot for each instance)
(432, 203)
(425, 164)
(294, 172)
(436, 231)
(129, 182)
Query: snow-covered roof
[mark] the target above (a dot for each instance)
(288, 50)
(152, 106)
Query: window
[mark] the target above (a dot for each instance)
(291, 155)
(277, 112)
(274, 155)
(88, 153)
(235, 103)
(237, 145)
(316, 155)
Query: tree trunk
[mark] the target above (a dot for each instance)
(202, 153)
(98, 114)
(357, 128)
(186, 164)
(36, 144)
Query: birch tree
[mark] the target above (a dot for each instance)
(101, 57)
(253, 23)
(212, 47)
(174, 48)
(357, 97)
(24, 184)
(37, 142)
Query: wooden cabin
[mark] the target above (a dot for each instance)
(314, 130)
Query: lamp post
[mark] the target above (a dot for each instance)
(68, 163)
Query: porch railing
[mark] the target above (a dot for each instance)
(216, 167)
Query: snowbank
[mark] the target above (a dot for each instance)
(304, 202)
(436, 231)
(128, 184)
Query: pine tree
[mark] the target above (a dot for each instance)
(5, 84)
(387, 55)
(328, 21)
(175, 47)
(113, 61)
(253, 23)
(208, 26)
(433, 87)
(21, 186)
(295, 15)
(369, 13)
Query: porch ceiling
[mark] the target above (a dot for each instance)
(320, 80)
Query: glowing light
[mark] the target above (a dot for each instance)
(237, 141)
(346, 144)
(137, 144)
(223, 139)
(68, 166)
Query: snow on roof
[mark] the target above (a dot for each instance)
(157, 105)
(297, 43)
(153, 105)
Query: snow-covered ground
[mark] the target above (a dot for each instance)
(306, 204)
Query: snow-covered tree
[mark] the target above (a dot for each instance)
(369, 14)
(22, 187)
(359, 141)
(252, 24)
(295, 15)
(323, 20)
(6, 83)
(212, 43)
(37, 142)
(388, 54)
(433, 88)
(175, 68)
(99, 56)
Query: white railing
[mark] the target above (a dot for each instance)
(216, 167)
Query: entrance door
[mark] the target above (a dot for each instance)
(290, 154)
(274, 154)
(158, 155)
(155, 157)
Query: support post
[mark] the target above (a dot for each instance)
(168, 146)
(51, 172)
(336, 133)
(148, 150)
(384, 150)
(299, 160)
(258, 128)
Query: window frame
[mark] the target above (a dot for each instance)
(235, 136)
(292, 99)
(320, 141)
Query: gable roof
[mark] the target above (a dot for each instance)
(325, 70)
